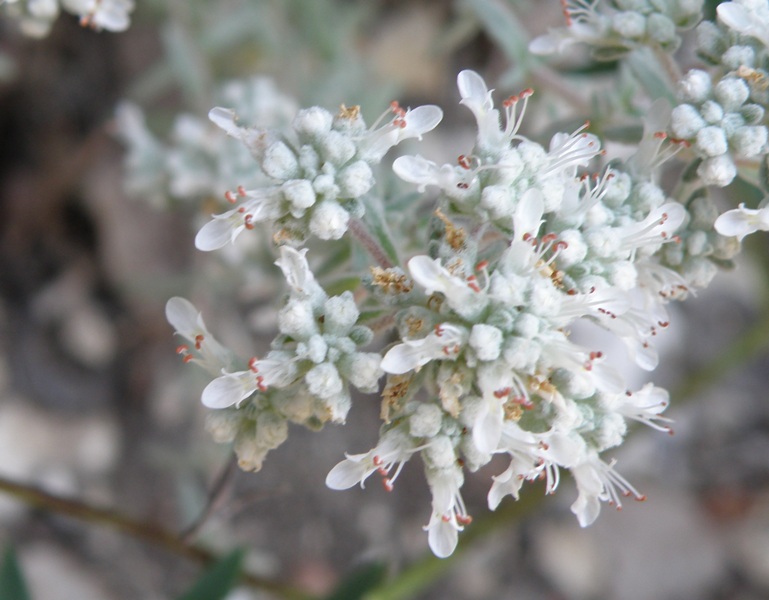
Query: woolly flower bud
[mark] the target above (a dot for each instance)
(718, 171)
(709, 40)
(223, 425)
(661, 29)
(313, 122)
(341, 313)
(623, 275)
(749, 141)
(363, 371)
(685, 121)
(695, 86)
(280, 162)
(648, 197)
(329, 220)
(336, 148)
(752, 113)
(355, 180)
(526, 325)
(426, 421)
(628, 24)
(323, 381)
(711, 141)
(486, 341)
(440, 453)
(296, 319)
(731, 93)
(314, 349)
(299, 193)
(575, 250)
(250, 453)
(697, 243)
(271, 430)
(738, 56)
(498, 200)
(711, 111)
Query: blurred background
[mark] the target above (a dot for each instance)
(96, 406)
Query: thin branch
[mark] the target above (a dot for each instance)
(151, 533)
(369, 243)
(215, 498)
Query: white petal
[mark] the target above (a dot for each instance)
(217, 233)
(587, 506)
(442, 537)
(295, 269)
(428, 273)
(407, 356)
(226, 119)
(475, 95)
(735, 16)
(528, 214)
(228, 390)
(183, 316)
(487, 430)
(421, 120)
(416, 169)
(346, 474)
(742, 221)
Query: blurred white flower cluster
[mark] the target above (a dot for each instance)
(37, 16)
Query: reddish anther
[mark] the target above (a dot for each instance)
(252, 364)
(230, 197)
(241, 191)
(482, 265)
(260, 383)
(199, 341)
(183, 349)
(502, 393)
(249, 221)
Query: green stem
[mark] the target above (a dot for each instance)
(144, 531)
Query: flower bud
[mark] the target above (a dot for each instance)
(280, 162)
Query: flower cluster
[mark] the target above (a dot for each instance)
(37, 16)
(485, 363)
(721, 123)
(304, 378)
(196, 163)
(613, 28)
(320, 168)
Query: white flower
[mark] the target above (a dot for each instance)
(598, 481)
(295, 269)
(443, 343)
(645, 406)
(449, 515)
(395, 448)
(742, 221)
(407, 124)
(464, 297)
(188, 323)
(224, 228)
(477, 97)
(232, 388)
